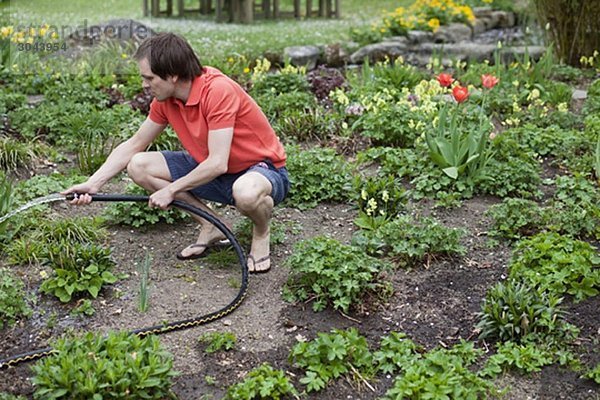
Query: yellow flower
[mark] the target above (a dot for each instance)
(43, 31)
(434, 24)
(563, 107)
(230, 60)
(246, 70)
(54, 35)
(32, 31)
(123, 55)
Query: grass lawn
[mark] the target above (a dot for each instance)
(210, 39)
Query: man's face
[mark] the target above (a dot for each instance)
(160, 88)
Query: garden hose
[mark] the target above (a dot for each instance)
(168, 326)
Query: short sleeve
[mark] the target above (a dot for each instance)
(222, 105)
(157, 113)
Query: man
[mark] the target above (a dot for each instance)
(232, 153)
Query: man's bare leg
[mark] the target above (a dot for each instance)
(252, 198)
(150, 171)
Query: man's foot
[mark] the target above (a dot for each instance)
(208, 238)
(258, 259)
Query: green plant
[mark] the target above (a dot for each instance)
(14, 154)
(575, 207)
(42, 185)
(557, 264)
(144, 271)
(515, 218)
(331, 355)
(78, 267)
(113, 366)
(408, 241)
(329, 272)
(593, 374)
(317, 175)
(511, 310)
(381, 199)
(217, 341)
(395, 352)
(8, 396)
(442, 374)
(13, 300)
(389, 126)
(454, 147)
(138, 214)
(525, 357)
(263, 382)
(512, 171)
(85, 307)
(93, 153)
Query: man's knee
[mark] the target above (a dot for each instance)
(136, 166)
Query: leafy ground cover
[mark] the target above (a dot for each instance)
(409, 261)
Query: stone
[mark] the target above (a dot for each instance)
(579, 94)
(302, 56)
(481, 12)
(378, 51)
(417, 37)
(452, 33)
(505, 19)
(479, 26)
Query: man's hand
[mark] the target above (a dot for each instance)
(82, 193)
(161, 199)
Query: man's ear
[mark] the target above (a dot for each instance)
(173, 78)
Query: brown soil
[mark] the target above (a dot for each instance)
(434, 304)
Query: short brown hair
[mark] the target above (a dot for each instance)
(170, 55)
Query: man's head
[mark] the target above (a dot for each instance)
(169, 55)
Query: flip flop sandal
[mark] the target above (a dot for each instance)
(207, 246)
(254, 262)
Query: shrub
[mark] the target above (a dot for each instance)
(263, 382)
(216, 341)
(389, 126)
(42, 185)
(515, 218)
(395, 352)
(575, 207)
(511, 310)
(594, 374)
(329, 272)
(381, 199)
(317, 175)
(331, 355)
(442, 373)
(78, 267)
(323, 81)
(13, 304)
(525, 357)
(115, 366)
(559, 264)
(138, 214)
(410, 242)
(14, 154)
(512, 171)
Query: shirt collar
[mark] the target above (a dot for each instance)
(194, 97)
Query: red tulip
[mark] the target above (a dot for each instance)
(489, 81)
(445, 80)
(460, 93)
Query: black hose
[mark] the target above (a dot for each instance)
(169, 326)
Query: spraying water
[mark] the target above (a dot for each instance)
(35, 202)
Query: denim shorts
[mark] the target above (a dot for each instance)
(220, 189)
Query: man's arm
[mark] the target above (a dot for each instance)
(216, 164)
(119, 158)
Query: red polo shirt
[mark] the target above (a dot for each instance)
(217, 102)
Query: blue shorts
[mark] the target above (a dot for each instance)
(220, 189)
